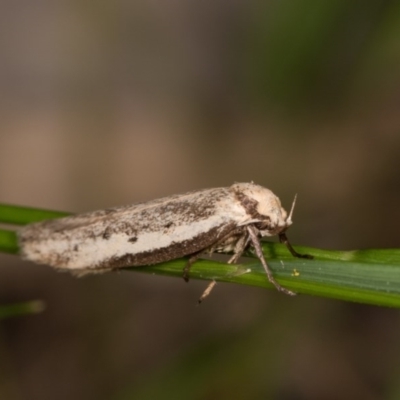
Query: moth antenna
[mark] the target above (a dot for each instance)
(289, 218)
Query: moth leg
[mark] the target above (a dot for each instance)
(257, 247)
(283, 239)
(192, 259)
(240, 247)
(207, 291)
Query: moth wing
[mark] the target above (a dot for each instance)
(141, 234)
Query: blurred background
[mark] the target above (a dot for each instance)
(113, 102)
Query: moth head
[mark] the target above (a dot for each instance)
(275, 218)
(264, 209)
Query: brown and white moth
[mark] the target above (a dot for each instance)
(214, 220)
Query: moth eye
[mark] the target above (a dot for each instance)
(261, 226)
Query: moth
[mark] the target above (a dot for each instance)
(226, 219)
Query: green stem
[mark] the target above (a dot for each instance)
(18, 215)
(14, 310)
(8, 242)
(367, 276)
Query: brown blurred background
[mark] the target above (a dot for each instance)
(112, 102)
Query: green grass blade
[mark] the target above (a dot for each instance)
(365, 276)
(18, 309)
(17, 215)
(8, 242)
(10, 214)
(369, 276)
